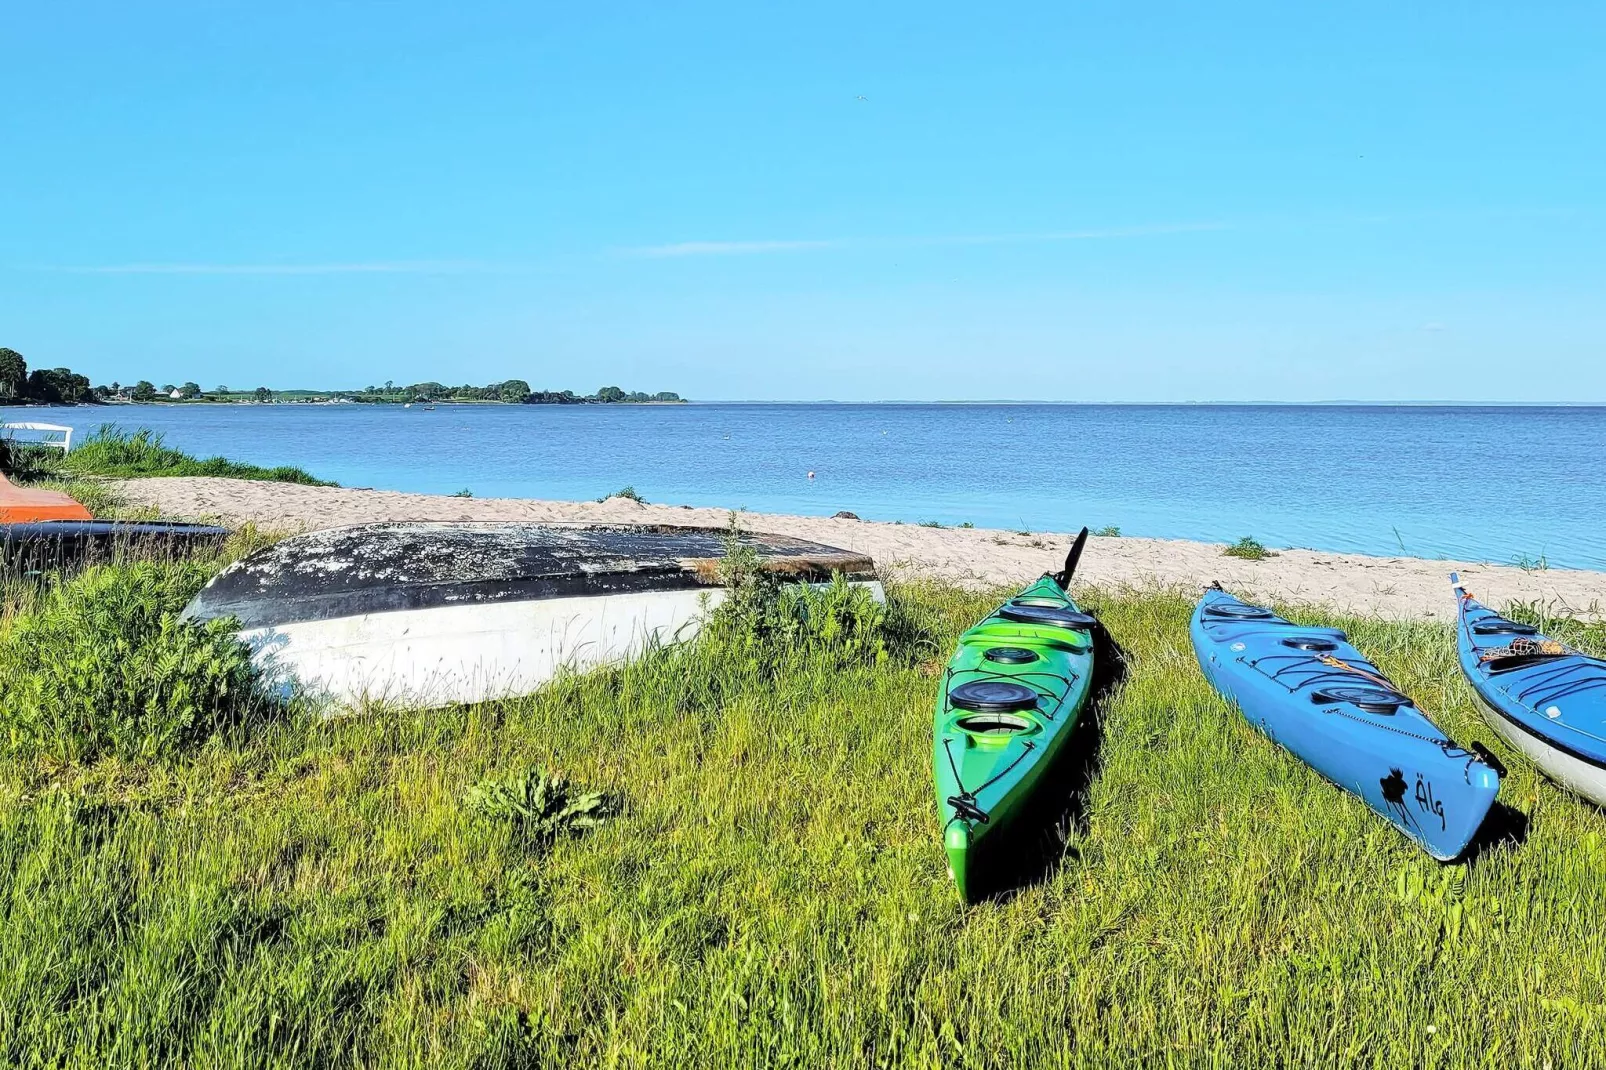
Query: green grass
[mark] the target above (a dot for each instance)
(1248, 549)
(100, 663)
(1110, 532)
(112, 452)
(1587, 634)
(627, 493)
(763, 885)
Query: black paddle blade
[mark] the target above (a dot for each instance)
(1063, 577)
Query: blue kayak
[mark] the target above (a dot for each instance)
(1309, 690)
(1544, 698)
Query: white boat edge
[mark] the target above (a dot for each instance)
(450, 655)
(1576, 775)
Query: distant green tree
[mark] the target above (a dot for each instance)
(610, 394)
(168, 389)
(513, 390)
(117, 388)
(59, 386)
(13, 373)
(263, 393)
(190, 390)
(666, 395)
(144, 391)
(222, 390)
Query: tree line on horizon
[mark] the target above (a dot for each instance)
(62, 386)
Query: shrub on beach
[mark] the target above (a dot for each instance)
(1248, 548)
(766, 622)
(102, 665)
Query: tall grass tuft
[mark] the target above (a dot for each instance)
(102, 665)
(114, 452)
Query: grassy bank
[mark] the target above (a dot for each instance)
(113, 452)
(768, 890)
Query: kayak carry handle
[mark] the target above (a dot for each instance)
(1487, 757)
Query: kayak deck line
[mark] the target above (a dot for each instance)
(966, 799)
(1563, 672)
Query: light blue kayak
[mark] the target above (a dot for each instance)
(1544, 698)
(1308, 689)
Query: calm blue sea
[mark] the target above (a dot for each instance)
(1495, 484)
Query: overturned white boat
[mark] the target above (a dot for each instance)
(424, 614)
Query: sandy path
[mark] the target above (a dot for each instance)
(1395, 587)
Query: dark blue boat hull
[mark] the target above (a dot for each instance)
(50, 544)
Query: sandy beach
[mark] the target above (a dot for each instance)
(1390, 587)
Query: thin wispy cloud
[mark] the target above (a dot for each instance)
(371, 267)
(727, 248)
(746, 248)
(1094, 234)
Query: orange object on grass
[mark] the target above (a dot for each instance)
(19, 505)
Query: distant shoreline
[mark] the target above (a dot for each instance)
(469, 402)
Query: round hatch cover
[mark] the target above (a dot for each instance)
(1370, 699)
(1010, 655)
(1237, 611)
(1501, 626)
(993, 696)
(1026, 613)
(1315, 643)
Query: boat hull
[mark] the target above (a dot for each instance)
(54, 544)
(428, 615)
(1571, 772)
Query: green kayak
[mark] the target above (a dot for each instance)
(1009, 700)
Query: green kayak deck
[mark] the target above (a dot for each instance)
(1009, 700)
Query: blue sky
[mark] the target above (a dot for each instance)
(922, 201)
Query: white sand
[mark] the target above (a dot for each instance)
(1394, 587)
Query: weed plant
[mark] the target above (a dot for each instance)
(101, 664)
(1248, 549)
